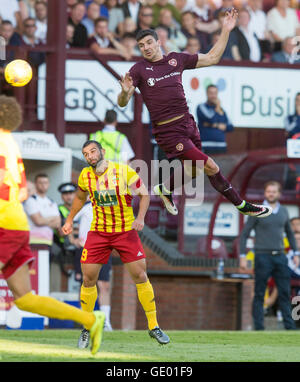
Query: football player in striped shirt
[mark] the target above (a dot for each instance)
(110, 186)
(15, 253)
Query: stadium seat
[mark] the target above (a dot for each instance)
(219, 250)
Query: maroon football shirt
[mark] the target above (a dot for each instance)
(160, 84)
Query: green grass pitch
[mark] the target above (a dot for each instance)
(136, 346)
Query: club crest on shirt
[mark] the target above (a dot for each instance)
(179, 147)
(151, 81)
(172, 62)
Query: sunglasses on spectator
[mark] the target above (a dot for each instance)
(30, 25)
(147, 14)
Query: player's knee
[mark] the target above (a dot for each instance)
(139, 277)
(89, 280)
(211, 167)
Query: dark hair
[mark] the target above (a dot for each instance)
(211, 86)
(6, 22)
(146, 32)
(128, 35)
(294, 218)
(41, 175)
(91, 141)
(110, 116)
(10, 113)
(100, 19)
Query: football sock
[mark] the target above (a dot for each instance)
(146, 298)
(49, 307)
(88, 297)
(223, 186)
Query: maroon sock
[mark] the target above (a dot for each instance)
(222, 185)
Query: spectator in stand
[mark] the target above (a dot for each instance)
(42, 212)
(145, 18)
(7, 31)
(103, 41)
(258, 24)
(103, 11)
(188, 21)
(213, 123)
(115, 16)
(128, 26)
(70, 4)
(76, 16)
(131, 9)
(41, 10)
(174, 33)
(226, 4)
(29, 39)
(10, 10)
(92, 14)
(192, 46)
(205, 21)
(166, 45)
(162, 4)
(27, 8)
(292, 122)
(258, 19)
(129, 42)
(286, 54)
(70, 30)
(282, 22)
(243, 41)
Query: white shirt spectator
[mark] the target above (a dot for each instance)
(134, 10)
(282, 26)
(84, 218)
(47, 208)
(258, 22)
(41, 31)
(8, 9)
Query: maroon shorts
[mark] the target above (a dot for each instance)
(98, 247)
(14, 250)
(179, 137)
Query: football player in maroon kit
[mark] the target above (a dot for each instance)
(159, 79)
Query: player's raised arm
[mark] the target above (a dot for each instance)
(78, 203)
(216, 52)
(127, 91)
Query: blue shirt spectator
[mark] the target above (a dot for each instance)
(213, 123)
(103, 11)
(292, 122)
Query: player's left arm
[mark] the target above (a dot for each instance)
(216, 52)
(139, 222)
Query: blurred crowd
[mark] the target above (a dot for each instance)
(266, 29)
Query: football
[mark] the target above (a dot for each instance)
(18, 73)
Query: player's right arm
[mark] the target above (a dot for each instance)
(216, 52)
(78, 203)
(127, 91)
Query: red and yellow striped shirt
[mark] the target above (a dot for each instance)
(12, 215)
(111, 196)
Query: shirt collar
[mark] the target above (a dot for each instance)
(109, 128)
(276, 209)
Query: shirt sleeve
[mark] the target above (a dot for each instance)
(134, 73)
(31, 207)
(126, 151)
(188, 61)
(251, 222)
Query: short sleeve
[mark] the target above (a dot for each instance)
(81, 184)
(134, 73)
(31, 206)
(188, 61)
